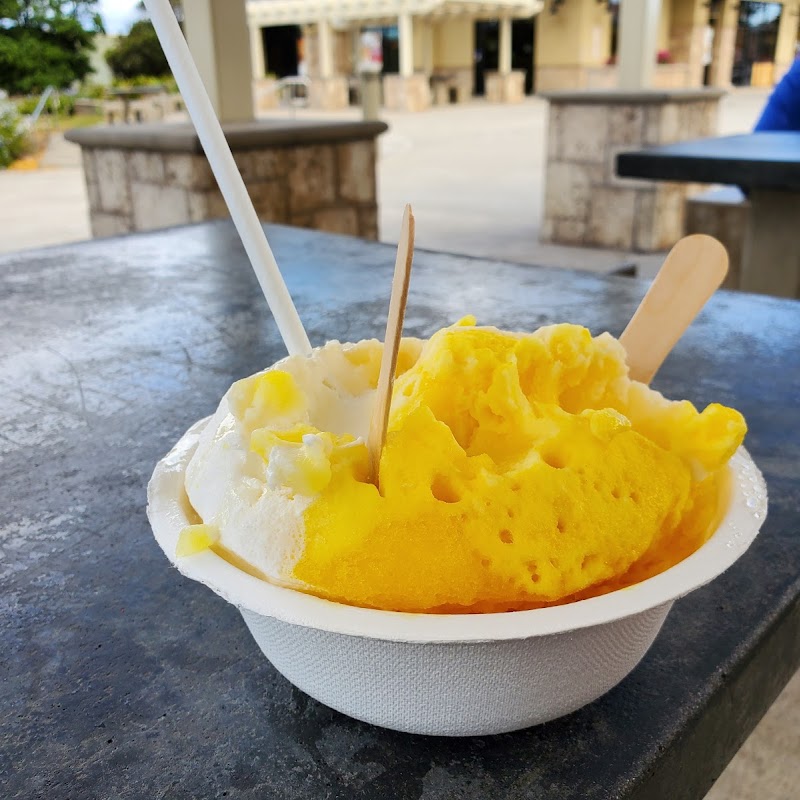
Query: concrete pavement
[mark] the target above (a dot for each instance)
(474, 174)
(42, 207)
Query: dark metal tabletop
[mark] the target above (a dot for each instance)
(122, 680)
(764, 160)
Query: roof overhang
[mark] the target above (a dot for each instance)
(342, 13)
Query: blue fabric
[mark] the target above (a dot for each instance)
(782, 112)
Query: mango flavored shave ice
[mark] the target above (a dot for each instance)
(520, 470)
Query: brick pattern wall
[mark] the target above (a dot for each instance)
(330, 187)
(586, 203)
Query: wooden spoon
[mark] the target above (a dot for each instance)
(391, 345)
(692, 272)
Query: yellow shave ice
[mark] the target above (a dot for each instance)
(520, 470)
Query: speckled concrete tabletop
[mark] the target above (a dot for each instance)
(121, 680)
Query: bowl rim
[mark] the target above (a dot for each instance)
(740, 524)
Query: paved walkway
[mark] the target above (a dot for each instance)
(474, 174)
(42, 207)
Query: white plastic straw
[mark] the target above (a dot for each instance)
(227, 174)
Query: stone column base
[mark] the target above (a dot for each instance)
(329, 94)
(406, 94)
(505, 88)
(265, 94)
(585, 202)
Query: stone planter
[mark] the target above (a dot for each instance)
(505, 88)
(406, 94)
(310, 174)
(265, 94)
(585, 202)
(330, 94)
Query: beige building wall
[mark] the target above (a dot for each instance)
(664, 23)
(343, 52)
(572, 46)
(418, 44)
(424, 50)
(454, 43)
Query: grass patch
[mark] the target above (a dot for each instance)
(66, 123)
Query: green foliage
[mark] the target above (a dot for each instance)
(62, 104)
(13, 141)
(27, 105)
(45, 43)
(140, 80)
(138, 54)
(93, 91)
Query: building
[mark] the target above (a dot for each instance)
(699, 42)
(430, 48)
(448, 50)
(101, 74)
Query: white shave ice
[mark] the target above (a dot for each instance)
(247, 498)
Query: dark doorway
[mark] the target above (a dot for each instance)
(522, 38)
(391, 50)
(487, 51)
(755, 38)
(280, 49)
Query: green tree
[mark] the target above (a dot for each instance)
(138, 53)
(45, 43)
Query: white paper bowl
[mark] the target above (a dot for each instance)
(459, 674)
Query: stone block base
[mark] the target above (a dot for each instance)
(265, 94)
(406, 94)
(505, 88)
(314, 176)
(585, 202)
(452, 85)
(329, 95)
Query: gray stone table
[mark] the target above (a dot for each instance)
(120, 679)
(767, 166)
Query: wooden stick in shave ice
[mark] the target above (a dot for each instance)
(391, 345)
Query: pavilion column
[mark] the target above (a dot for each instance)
(724, 44)
(406, 91)
(504, 56)
(217, 34)
(405, 33)
(325, 49)
(505, 85)
(257, 52)
(787, 39)
(638, 30)
(328, 90)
